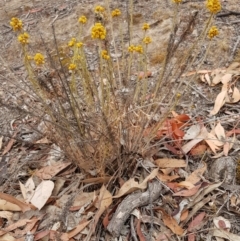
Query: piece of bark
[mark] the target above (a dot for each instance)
(131, 202)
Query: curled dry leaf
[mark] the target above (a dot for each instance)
(131, 185)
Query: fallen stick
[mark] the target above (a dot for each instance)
(131, 202)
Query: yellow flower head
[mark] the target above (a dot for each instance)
(72, 66)
(213, 32)
(214, 6)
(23, 38)
(105, 55)
(79, 44)
(178, 95)
(139, 49)
(82, 20)
(98, 31)
(16, 24)
(147, 40)
(99, 9)
(116, 12)
(145, 26)
(177, 1)
(39, 59)
(131, 48)
(71, 42)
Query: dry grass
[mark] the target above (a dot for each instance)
(98, 116)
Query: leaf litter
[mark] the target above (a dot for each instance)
(48, 186)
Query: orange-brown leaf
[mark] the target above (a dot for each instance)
(171, 223)
(24, 207)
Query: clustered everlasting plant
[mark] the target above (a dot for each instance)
(99, 119)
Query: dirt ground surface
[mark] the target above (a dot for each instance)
(38, 17)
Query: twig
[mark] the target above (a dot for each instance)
(235, 47)
(133, 232)
(53, 20)
(227, 14)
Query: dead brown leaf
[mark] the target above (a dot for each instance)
(13, 226)
(10, 143)
(195, 176)
(139, 231)
(219, 102)
(171, 223)
(50, 171)
(10, 199)
(170, 162)
(131, 185)
(196, 222)
(188, 193)
(42, 193)
(67, 236)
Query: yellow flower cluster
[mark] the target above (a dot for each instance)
(116, 12)
(72, 42)
(99, 9)
(23, 38)
(82, 20)
(177, 1)
(105, 55)
(147, 40)
(16, 24)
(72, 67)
(214, 6)
(213, 32)
(98, 31)
(39, 59)
(145, 26)
(79, 44)
(137, 48)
